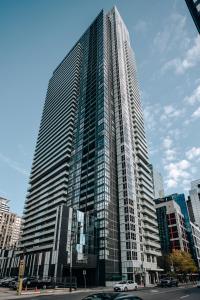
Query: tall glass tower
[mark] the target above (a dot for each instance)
(91, 155)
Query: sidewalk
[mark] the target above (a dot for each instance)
(6, 293)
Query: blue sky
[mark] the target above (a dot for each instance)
(36, 35)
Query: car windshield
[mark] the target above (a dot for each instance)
(122, 282)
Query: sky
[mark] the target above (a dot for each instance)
(36, 35)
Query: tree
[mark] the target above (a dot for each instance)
(182, 262)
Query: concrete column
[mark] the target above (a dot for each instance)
(157, 277)
(146, 278)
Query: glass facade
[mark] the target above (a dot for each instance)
(91, 155)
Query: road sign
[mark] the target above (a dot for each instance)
(84, 272)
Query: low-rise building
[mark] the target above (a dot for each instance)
(10, 229)
(172, 226)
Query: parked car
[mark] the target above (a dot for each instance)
(12, 282)
(112, 296)
(2, 280)
(7, 281)
(198, 284)
(33, 282)
(125, 286)
(168, 282)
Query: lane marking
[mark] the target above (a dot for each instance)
(167, 291)
(184, 296)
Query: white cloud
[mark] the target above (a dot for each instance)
(195, 97)
(194, 152)
(151, 113)
(182, 172)
(13, 164)
(167, 142)
(189, 60)
(175, 132)
(169, 111)
(170, 154)
(171, 183)
(196, 113)
(177, 172)
(172, 34)
(169, 151)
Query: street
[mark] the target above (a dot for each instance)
(191, 293)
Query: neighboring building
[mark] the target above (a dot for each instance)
(4, 204)
(195, 243)
(158, 187)
(194, 8)
(194, 202)
(9, 262)
(10, 229)
(192, 231)
(91, 154)
(172, 226)
(181, 201)
(190, 210)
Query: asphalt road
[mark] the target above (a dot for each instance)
(179, 293)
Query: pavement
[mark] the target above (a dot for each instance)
(191, 292)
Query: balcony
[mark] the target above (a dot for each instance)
(38, 241)
(145, 203)
(151, 228)
(149, 213)
(143, 165)
(152, 243)
(151, 221)
(38, 234)
(152, 236)
(146, 191)
(36, 228)
(153, 252)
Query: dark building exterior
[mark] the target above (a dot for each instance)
(190, 231)
(172, 225)
(91, 155)
(194, 8)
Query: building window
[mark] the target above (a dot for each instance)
(128, 255)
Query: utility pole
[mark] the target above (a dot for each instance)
(21, 272)
(70, 266)
(84, 276)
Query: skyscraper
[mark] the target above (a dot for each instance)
(91, 155)
(10, 229)
(4, 205)
(194, 201)
(194, 8)
(158, 187)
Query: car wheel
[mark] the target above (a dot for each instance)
(125, 289)
(136, 288)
